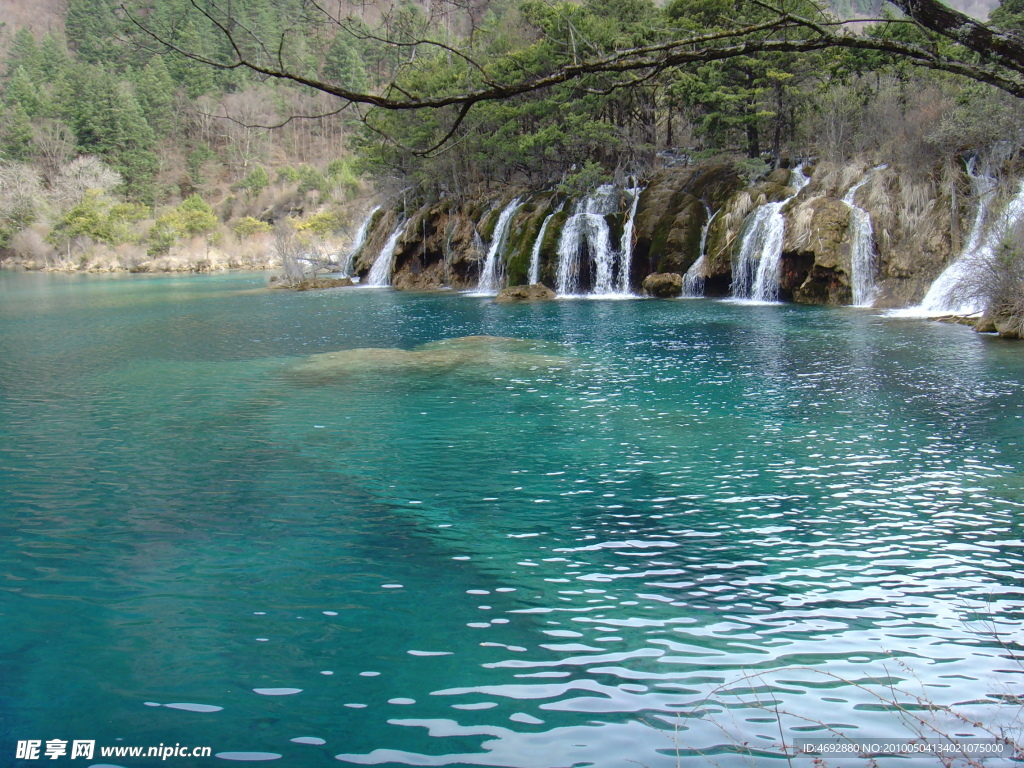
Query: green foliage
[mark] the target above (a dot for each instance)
(752, 168)
(341, 172)
(320, 224)
(193, 217)
(110, 124)
(1009, 16)
(21, 91)
(154, 90)
(247, 226)
(590, 176)
(288, 175)
(101, 218)
(257, 181)
(310, 179)
(91, 29)
(195, 161)
(16, 134)
(344, 65)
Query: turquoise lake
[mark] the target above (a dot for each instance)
(645, 533)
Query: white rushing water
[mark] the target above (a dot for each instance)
(626, 247)
(534, 276)
(380, 272)
(955, 291)
(587, 231)
(493, 270)
(863, 258)
(358, 243)
(756, 272)
(693, 280)
(586, 234)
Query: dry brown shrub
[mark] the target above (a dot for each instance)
(30, 243)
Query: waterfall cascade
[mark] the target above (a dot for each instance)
(863, 259)
(755, 274)
(954, 292)
(626, 247)
(358, 243)
(493, 270)
(693, 280)
(534, 276)
(586, 232)
(380, 272)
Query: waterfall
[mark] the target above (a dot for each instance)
(587, 230)
(863, 260)
(693, 280)
(358, 243)
(534, 276)
(586, 233)
(626, 246)
(492, 272)
(955, 292)
(756, 271)
(380, 272)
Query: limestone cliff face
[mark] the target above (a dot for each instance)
(918, 228)
(673, 210)
(916, 234)
(816, 267)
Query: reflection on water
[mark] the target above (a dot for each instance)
(646, 531)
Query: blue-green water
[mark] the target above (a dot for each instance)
(652, 530)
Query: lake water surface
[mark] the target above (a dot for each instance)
(648, 531)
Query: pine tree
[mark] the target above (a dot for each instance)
(344, 65)
(91, 28)
(16, 134)
(53, 57)
(23, 92)
(110, 124)
(194, 77)
(154, 90)
(24, 54)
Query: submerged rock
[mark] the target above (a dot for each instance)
(311, 284)
(467, 355)
(663, 285)
(535, 292)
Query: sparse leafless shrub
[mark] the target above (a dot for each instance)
(21, 188)
(288, 247)
(52, 144)
(82, 174)
(130, 255)
(1000, 282)
(833, 121)
(30, 243)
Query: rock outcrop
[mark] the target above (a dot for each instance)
(310, 283)
(663, 285)
(515, 293)
(443, 243)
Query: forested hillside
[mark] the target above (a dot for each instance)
(114, 141)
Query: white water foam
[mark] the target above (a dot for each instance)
(756, 271)
(380, 272)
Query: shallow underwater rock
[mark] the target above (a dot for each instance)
(311, 284)
(468, 355)
(663, 285)
(535, 292)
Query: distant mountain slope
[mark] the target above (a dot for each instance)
(39, 15)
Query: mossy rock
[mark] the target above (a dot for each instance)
(524, 231)
(549, 249)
